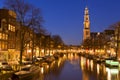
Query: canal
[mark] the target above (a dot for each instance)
(74, 67)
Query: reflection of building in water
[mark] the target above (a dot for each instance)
(98, 68)
(112, 74)
(73, 58)
(52, 69)
(89, 67)
(83, 62)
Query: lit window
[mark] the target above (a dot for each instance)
(0, 35)
(0, 45)
(6, 37)
(11, 28)
(3, 45)
(3, 36)
(14, 29)
(3, 23)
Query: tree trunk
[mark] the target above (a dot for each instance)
(21, 49)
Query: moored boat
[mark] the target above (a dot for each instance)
(27, 72)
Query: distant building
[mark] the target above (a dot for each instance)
(117, 42)
(86, 29)
(97, 39)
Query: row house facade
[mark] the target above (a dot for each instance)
(7, 33)
(112, 39)
(117, 41)
(34, 44)
(10, 36)
(109, 41)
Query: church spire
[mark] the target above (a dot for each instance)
(86, 30)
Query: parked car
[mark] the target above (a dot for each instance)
(27, 72)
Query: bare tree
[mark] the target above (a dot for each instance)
(27, 15)
(57, 41)
(114, 26)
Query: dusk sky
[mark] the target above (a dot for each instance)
(65, 17)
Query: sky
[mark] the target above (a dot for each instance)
(65, 17)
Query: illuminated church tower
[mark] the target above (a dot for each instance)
(86, 29)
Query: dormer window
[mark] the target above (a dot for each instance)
(3, 24)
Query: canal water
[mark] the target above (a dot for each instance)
(74, 67)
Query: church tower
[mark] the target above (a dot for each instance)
(86, 29)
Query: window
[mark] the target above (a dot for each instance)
(6, 37)
(11, 28)
(0, 35)
(3, 45)
(3, 36)
(3, 23)
(0, 45)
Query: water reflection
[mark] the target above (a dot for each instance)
(112, 74)
(98, 71)
(74, 67)
(50, 71)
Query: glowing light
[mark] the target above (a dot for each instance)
(42, 50)
(111, 72)
(47, 66)
(42, 70)
(29, 51)
(114, 71)
(91, 62)
(98, 68)
(108, 74)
